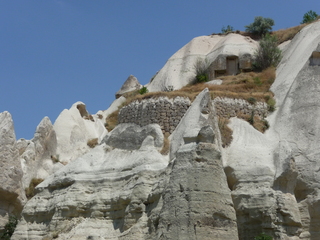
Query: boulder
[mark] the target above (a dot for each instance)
(130, 136)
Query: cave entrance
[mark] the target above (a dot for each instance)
(232, 65)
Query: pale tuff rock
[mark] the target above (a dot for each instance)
(108, 194)
(73, 132)
(221, 53)
(296, 121)
(129, 85)
(201, 113)
(12, 196)
(197, 202)
(126, 189)
(130, 136)
(36, 154)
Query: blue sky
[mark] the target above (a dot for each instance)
(54, 53)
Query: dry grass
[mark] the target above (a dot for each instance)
(260, 124)
(92, 142)
(166, 144)
(30, 191)
(112, 121)
(287, 34)
(225, 131)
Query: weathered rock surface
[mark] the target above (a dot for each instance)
(215, 50)
(11, 191)
(129, 85)
(197, 202)
(106, 194)
(74, 127)
(130, 136)
(296, 121)
(125, 189)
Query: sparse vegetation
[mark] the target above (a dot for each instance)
(112, 121)
(92, 142)
(201, 66)
(9, 228)
(143, 90)
(268, 53)
(271, 104)
(252, 100)
(166, 144)
(309, 17)
(227, 29)
(30, 191)
(283, 35)
(260, 26)
(263, 236)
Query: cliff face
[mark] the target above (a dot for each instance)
(125, 188)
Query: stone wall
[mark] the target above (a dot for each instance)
(168, 112)
(229, 107)
(163, 111)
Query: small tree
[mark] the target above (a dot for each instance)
(260, 26)
(202, 70)
(309, 17)
(268, 54)
(227, 29)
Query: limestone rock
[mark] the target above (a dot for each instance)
(129, 85)
(12, 196)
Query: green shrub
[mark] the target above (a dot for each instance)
(226, 30)
(271, 104)
(252, 100)
(202, 70)
(263, 236)
(143, 90)
(9, 228)
(309, 17)
(260, 26)
(268, 54)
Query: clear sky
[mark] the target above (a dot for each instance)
(54, 53)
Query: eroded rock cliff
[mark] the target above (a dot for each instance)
(125, 188)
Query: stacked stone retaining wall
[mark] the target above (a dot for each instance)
(168, 112)
(229, 107)
(163, 111)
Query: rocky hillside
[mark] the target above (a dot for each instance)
(165, 170)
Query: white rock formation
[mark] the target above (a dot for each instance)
(12, 196)
(179, 70)
(125, 189)
(74, 127)
(129, 85)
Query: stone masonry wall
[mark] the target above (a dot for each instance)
(163, 111)
(229, 107)
(168, 112)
